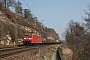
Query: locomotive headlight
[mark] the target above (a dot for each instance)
(29, 38)
(24, 38)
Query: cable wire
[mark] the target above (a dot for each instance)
(36, 8)
(28, 6)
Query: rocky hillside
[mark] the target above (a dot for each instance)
(10, 27)
(51, 35)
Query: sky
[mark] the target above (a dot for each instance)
(57, 14)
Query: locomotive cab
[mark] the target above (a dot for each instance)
(27, 38)
(31, 38)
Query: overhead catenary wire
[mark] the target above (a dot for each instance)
(28, 6)
(36, 9)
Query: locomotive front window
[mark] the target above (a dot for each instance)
(26, 34)
(30, 35)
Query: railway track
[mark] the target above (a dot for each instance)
(11, 51)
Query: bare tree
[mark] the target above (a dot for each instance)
(27, 14)
(10, 3)
(87, 20)
(76, 37)
(18, 8)
(1, 6)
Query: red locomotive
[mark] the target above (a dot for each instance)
(31, 38)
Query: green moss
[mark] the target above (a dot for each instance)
(49, 54)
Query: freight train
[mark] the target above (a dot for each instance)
(32, 38)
